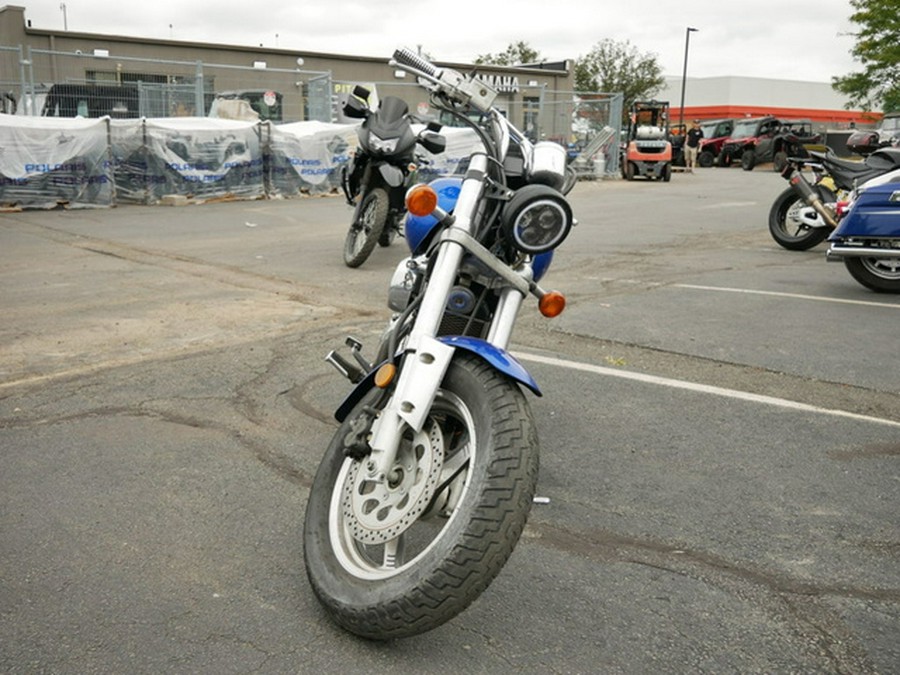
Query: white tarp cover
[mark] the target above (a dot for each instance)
(90, 162)
(196, 157)
(307, 156)
(461, 143)
(46, 162)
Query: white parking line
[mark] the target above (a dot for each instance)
(797, 296)
(700, 388)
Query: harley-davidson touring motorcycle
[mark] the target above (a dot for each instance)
(425, 488)
(867, 238)
(376, 178)
(795, 222)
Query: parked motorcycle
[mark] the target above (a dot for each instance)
(376, 178)
(427, 484)
(867, 238)
(803, 215)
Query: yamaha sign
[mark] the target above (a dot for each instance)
(508, 84)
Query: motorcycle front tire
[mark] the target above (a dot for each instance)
(391, 230)
(881, 275)
(364, 234)
(448, 554)
(785, 231)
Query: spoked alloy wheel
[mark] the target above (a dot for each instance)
(881, 275)
(398, 558)
(788, 228)
(364, 234)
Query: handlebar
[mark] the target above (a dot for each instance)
(406, 57)
(452, 85)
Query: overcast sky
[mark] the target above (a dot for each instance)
(801, 40)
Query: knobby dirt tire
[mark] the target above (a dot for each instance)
(363, 235)
(788, 233)
(466, 549)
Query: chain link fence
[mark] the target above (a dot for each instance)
(37, 82)
(46, 83)
(586, 124)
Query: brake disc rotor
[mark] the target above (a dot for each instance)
(378, 512)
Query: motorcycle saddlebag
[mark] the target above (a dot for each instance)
(876, 213)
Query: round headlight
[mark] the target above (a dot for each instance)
(537, 219)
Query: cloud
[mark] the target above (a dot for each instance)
(765, 38)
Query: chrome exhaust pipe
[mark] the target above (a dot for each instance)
(810, 196)
(837, 252)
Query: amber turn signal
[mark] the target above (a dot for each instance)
(552, 304)
(421, 200)
(385, 375)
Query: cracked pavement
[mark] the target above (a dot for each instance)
(164, 403)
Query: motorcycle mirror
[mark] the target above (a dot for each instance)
(355, 108)
(433, 142)
(361, 92)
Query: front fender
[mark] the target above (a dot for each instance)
(500, 359)
(496, 357)
(391, 174)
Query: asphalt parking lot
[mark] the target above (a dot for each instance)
(720, 443)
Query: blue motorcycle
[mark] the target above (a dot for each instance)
(867, 238)
(427, 484)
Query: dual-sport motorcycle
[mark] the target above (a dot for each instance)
(426, 487)
(867, 238)
(376, 178)
(794, 221)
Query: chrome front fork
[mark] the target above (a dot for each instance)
(426, 358)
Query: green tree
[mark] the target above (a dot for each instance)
(878, 50)
(516, 53)
(613, 66)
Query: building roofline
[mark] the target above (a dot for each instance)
(549, 69)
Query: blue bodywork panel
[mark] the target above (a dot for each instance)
(876, 213)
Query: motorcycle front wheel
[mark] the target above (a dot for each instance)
(391, 230)
(785, 225)
(398, 559)
(881, 275)
(365, 232)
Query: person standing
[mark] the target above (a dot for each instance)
(692, 146)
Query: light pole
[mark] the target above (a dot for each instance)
(687, 44)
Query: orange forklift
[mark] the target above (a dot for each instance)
(647, 150)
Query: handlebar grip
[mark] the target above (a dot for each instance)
(413, 60)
